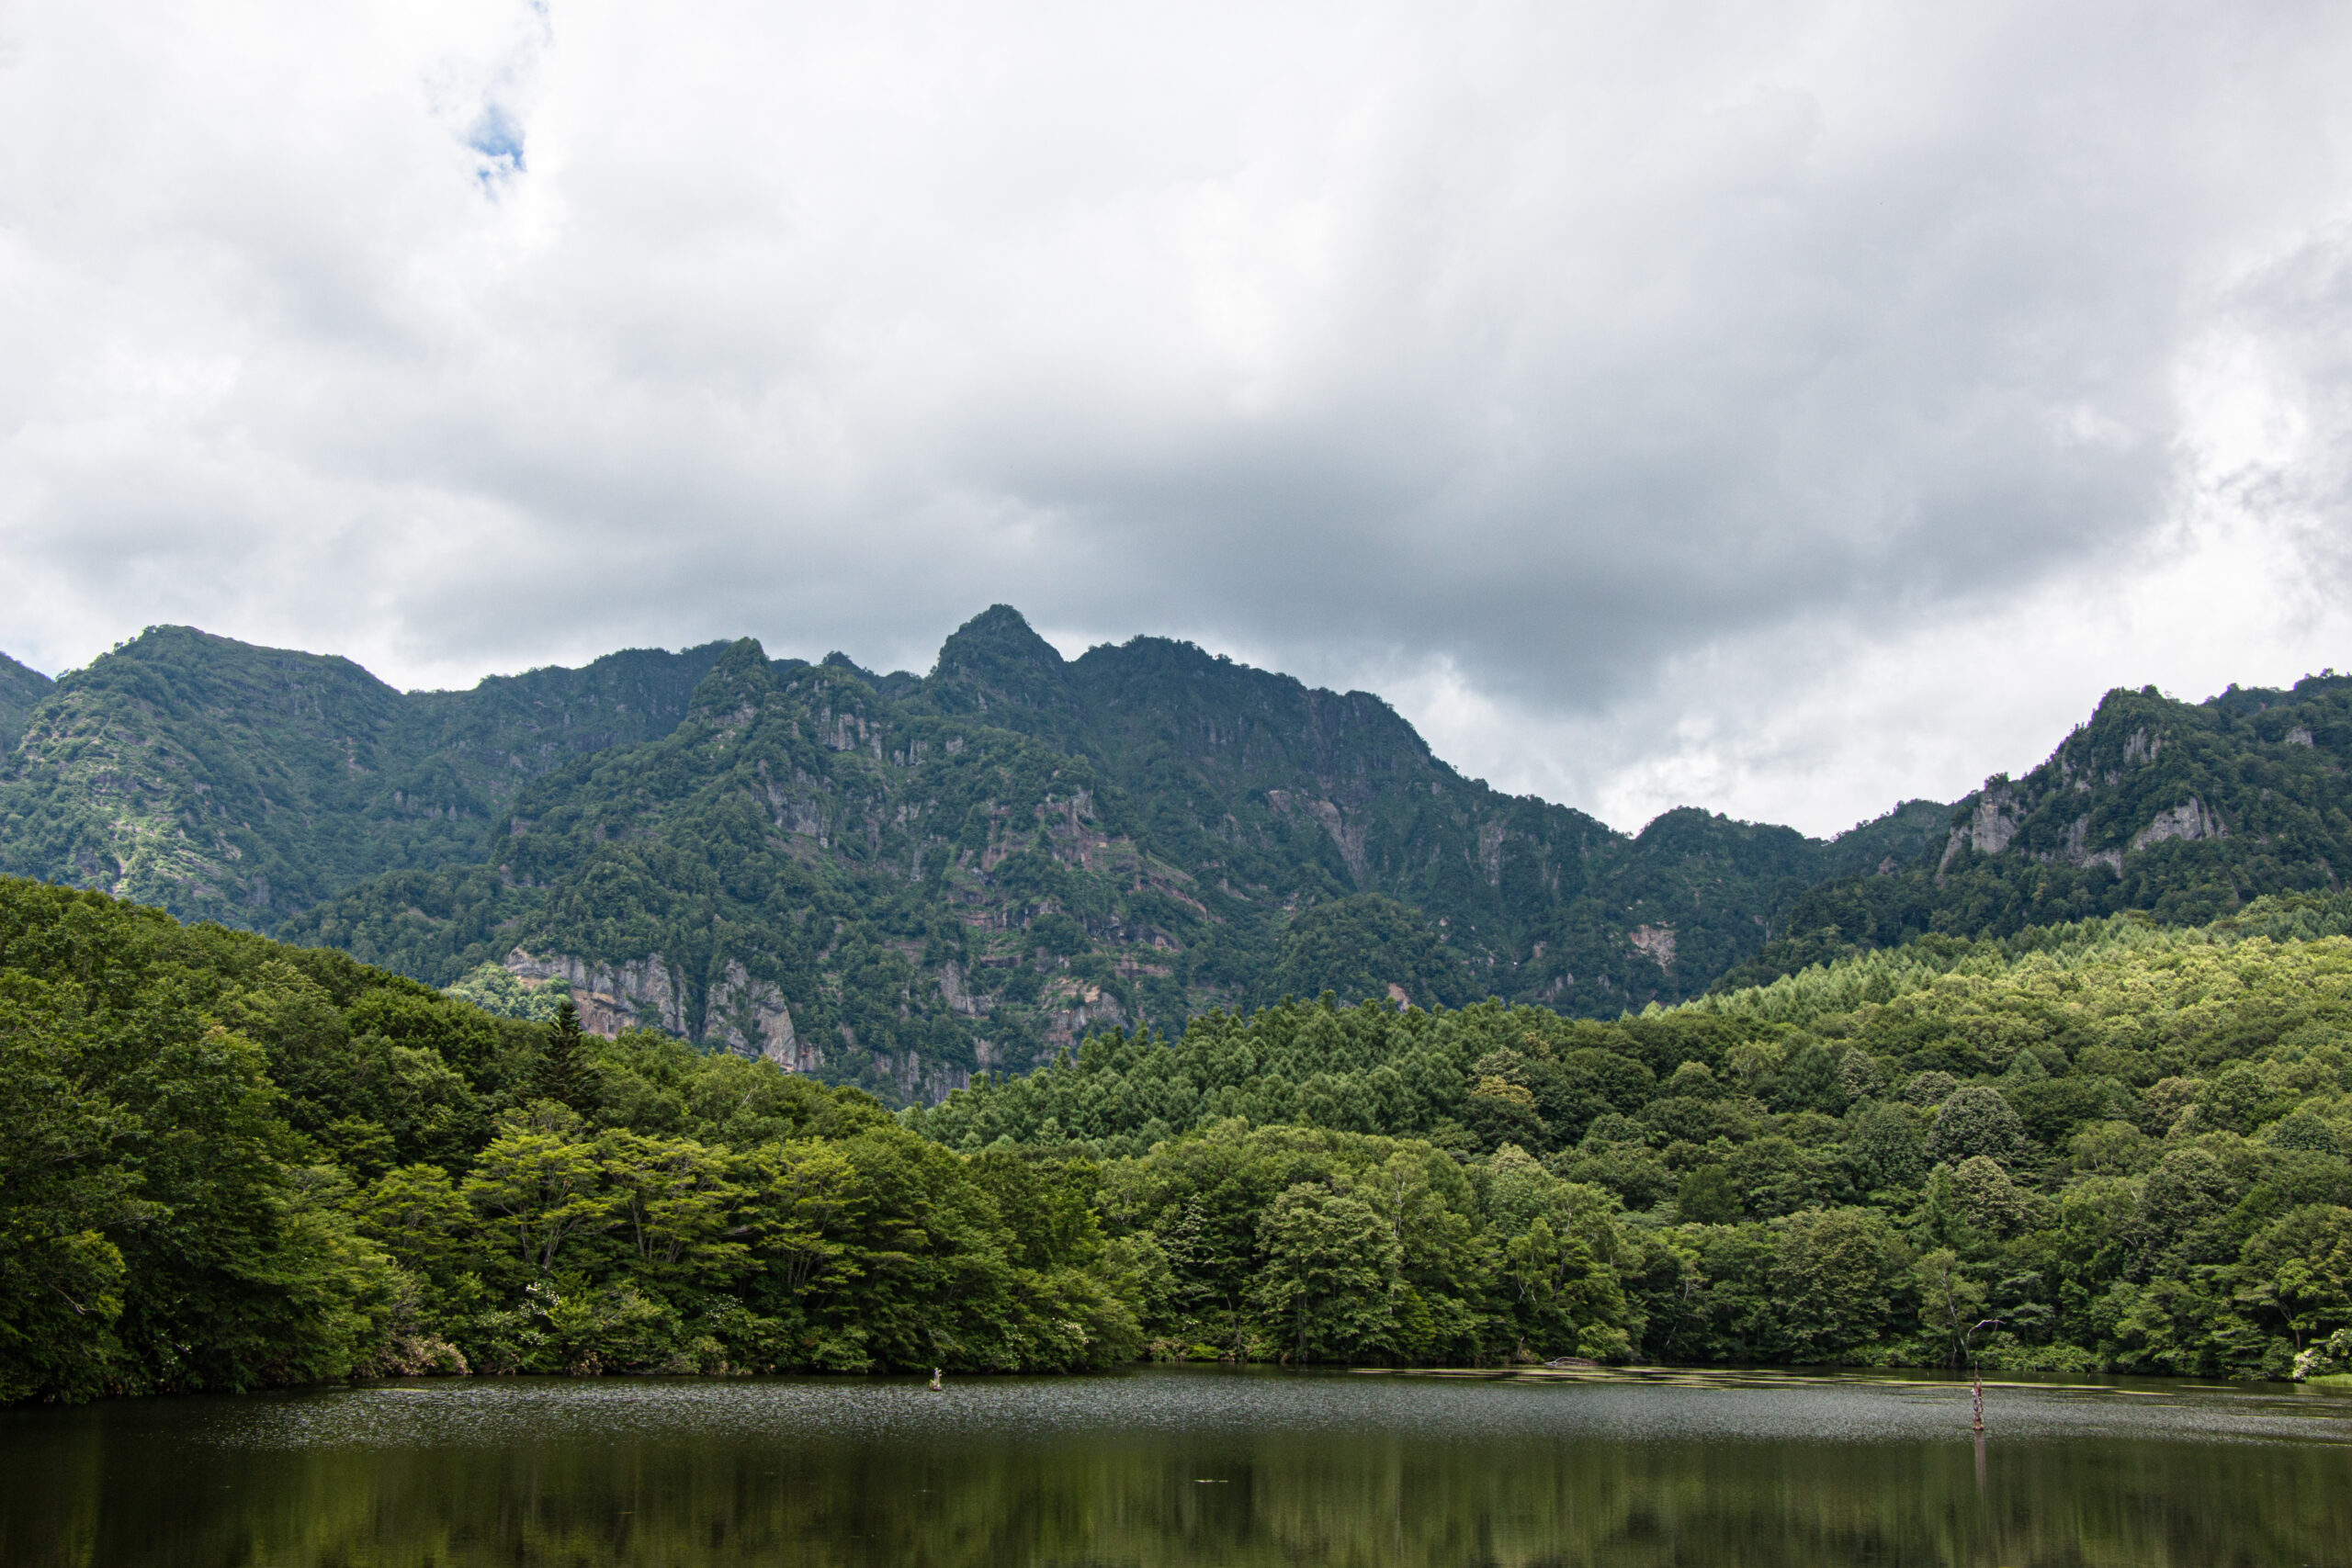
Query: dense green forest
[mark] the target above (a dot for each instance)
(235, 1163)
(2126, 1143)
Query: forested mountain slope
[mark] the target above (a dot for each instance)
(227, 781)
(896, 880)
(234, 1164)
(889, 878)
(2184, 810)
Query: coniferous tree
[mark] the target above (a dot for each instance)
(564, 1073)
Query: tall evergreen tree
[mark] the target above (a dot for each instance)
(565, 1075)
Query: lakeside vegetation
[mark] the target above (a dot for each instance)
(2126, 1143)
(234, 1164)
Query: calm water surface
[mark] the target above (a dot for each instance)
(1182, 1467)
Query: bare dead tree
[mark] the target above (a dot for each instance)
(1975, 1368)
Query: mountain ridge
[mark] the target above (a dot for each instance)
(1137, 832)
(2185, 810)
(898, 879)
(191, 770)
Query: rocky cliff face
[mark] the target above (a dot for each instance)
(641, 993)
(743, 1014)
(751, 1018)
(2192, 819)
(2147, 772)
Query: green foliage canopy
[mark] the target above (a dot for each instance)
(239, 1164)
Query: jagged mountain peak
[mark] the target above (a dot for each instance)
(996, 662)
(908, 885)
(897, 684)
(998, 633)
(735, 685)
(961, 869)
(998, 647)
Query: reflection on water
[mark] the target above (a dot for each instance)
(1189, 1466)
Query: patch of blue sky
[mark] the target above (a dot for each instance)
(499, 141)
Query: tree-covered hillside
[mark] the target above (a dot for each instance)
(894, 881)
(226, 782)
(2125, 1142)
(2184, 810)
(234, 1164)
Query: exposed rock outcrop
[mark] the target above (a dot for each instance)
(1088, 1008)
(920, 1080)
(1491, 836)
(1990, 827)
(1347, 835)
(951, 987)
(2072, 851)
(749, 1017)
(611, 997)
(2192, 820)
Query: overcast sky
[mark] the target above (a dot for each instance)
(1786, 409)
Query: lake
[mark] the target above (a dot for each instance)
(1184, 1466)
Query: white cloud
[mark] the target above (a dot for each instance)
(1780, 410)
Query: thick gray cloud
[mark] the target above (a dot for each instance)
(1782, 409)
